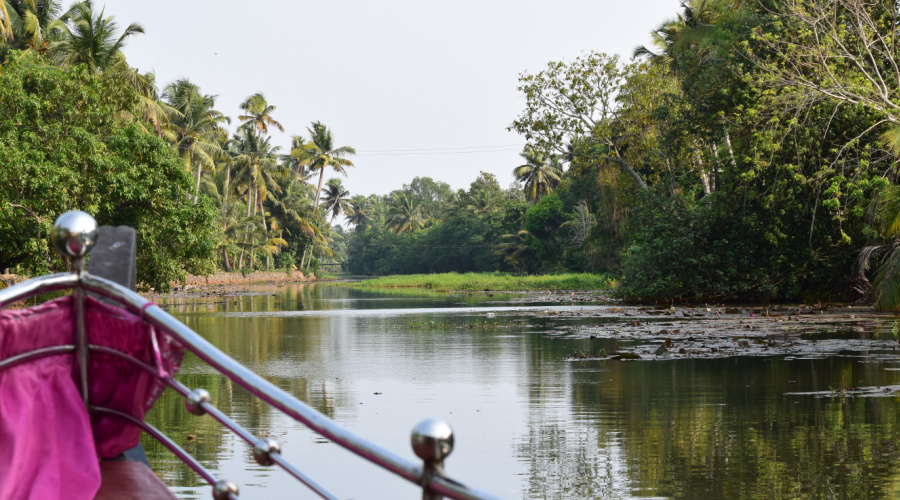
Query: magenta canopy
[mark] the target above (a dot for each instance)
(49, 443)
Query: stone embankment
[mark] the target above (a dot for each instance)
(10, 279)
(237, 278)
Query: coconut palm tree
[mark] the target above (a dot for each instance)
(257, 162)
(660, 49)
(320, 153)
(405, 214)
(259, 114)
(29, 25)
(233, 223)
(297, 159)
(319, 246)
(260, 239)
(271, 244)
(195, 126)
(90, 38)
(290, 210)
(290, 204)
(6, 28)
(336, 199)
(150, 112)
(479, 202)
(360, 210)
(514, 249)
(886, 281)
(538, 175)
(696, 22)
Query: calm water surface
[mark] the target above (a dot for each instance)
(528, 423)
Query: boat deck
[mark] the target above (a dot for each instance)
(125, 480)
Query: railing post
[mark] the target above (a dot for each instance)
(115, 257)
(432, 441)
(75, 234)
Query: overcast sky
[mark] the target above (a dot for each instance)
(419, 88)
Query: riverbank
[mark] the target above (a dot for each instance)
(493, 282)
(10, 280)
(232, 279)
(237, 278)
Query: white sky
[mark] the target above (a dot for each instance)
(384, 75)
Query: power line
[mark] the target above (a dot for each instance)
(502, 148)
(440, 149)
(445, 153)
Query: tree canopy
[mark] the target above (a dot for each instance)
(64, 147)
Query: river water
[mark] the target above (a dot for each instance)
(529, 423)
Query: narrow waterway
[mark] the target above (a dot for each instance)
(529, 423)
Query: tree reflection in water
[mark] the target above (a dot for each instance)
(719, 428)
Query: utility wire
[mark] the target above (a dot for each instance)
(439, 153)
(501, 148)
(441, 149)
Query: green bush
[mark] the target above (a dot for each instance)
(715, 251)
(65, 144)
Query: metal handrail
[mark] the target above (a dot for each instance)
(264, 451)
(432, 440)
(167, 442)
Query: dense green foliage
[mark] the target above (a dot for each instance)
(784, 213)
(746, 154)
(426, 228)
(736, 158)
(81, 129)
(493, 281)
(63, 148)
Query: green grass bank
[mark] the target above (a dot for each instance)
(493, 282)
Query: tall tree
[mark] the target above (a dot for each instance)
(232, 222)
(404, 214)
(289, 207)
(84, 156)
(360, 212)
(259, 114)
(320, 153)
(297, 159)
(696, 21)
(29, 25)
(574, 103)
(195, 126)
(840, 51)
(433, 196)
(256, 163)
(539, 174)
(150, 109)
(886, 256)
(336, 199)
(90, 38)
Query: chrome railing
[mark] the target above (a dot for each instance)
(74, 234)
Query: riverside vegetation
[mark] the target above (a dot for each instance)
(492, 282)
(748, 152)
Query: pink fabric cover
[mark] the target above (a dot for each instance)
(48, 444)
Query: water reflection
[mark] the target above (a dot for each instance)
(528, 423)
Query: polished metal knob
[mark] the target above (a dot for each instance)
(432, 440)
(223, 489)
(263, 449)
(74, 234)
(194, 399)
